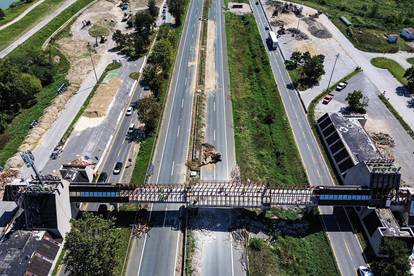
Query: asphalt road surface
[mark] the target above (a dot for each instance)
(157, 253)
(35, 28)
(218, 256)
(346, 248)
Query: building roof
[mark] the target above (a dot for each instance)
(27, 253)
(355, 138)
(409, 29)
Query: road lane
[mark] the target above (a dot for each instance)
(344, 244)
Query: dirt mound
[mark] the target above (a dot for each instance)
(316, 28)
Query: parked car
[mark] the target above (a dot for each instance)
(129, 111)
(266, 28)
(327, 99)
(364, 271)
(341, 85)
(118, 167)
(102, 177)
(131, 128)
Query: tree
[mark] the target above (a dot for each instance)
(356, 101)
(409, 75)
(176, 8)
(296, 57)
(161, 55)
(148, 112)
(143, 23)
(150, 76)
(313, 69)
(119, 38)
(2, 15)
(396, 262)
(152, 8)
(90, 246)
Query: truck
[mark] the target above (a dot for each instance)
(272, 40)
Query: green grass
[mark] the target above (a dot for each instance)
(147, 146)
(122, 251)
(190, 248)
(58, 263)
(410, 60)
(306, 253)
(134, 75)
(368, 31)
(17, 130)
(11, 33)
(392, 66)
(12, 13)
(265, 151)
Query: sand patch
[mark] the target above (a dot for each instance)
(210, 75)
(102, 99)
(85, 122)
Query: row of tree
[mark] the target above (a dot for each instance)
(22, 76)
(409, 75)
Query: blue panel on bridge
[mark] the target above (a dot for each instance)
(345, 197)
(99, 194)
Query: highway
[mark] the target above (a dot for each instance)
(158, 252)
(36, 28)
(217, 256)
(344, 243)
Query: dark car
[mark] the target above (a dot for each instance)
(102, 177)
(118, 167)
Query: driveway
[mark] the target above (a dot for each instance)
(380, 119)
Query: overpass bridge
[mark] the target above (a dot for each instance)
(214, 194)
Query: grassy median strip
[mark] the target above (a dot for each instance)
(397, 115)
(146, 150)
(12, 32)
(15, 10)
(122, 251)
(410, 60)
(17, 130)
(392, 66)
(296, 245)
(265, 147)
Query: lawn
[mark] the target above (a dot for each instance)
(122, 250)
(411, 60)
(15, 133)
(11, 33)
(370, 19)
(303, 250)
(265, 147)
(392, 66)
(13, 12)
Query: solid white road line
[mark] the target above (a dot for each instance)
(178, 131)
(172, 169)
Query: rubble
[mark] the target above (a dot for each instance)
(140, 229)
(382, 139)
(299, 35)
(210, 155)
(316, 28)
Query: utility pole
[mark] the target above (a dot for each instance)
(93, 65)
(333, 69)
(29, 159)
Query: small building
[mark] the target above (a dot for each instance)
(407, 33)
(392, 38)
(345, 21)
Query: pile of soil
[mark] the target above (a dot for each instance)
(316, 28)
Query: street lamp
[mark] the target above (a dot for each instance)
(333, 69)
(93, 65)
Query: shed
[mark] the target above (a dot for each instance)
(345, 21)
(392, 38)
(408, 33)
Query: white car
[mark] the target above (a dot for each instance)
(131, 128)
(129, 111)
(341, 86)
(364, 271)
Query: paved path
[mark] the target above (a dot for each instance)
(22, 14)
(36, 28)
(336, 224)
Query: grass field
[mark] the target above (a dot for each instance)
(395, 69)
(12, 32)
(265, 147)
(411, 60)
(122, 251)
(305, 253)
(370, 19)
(14, 135)
(13, 12)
